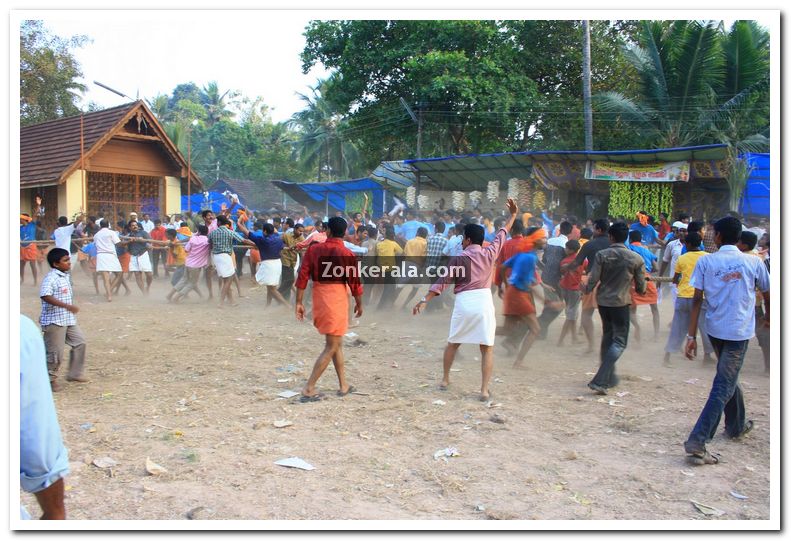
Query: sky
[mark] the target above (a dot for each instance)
(149, 53)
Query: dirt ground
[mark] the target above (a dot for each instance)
(195, 389)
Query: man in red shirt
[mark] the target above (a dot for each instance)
(330, 302)
(159, 251)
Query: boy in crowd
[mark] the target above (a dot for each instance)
(683, 307)
(570, 286)
(58, 321)
(651, 294)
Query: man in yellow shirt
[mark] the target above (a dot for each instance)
(386, 251)
(683, 307)
(415, 252)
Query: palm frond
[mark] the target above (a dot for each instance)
(699, 65)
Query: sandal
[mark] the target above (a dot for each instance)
(312, 398)
(699, 458)
(748, 426)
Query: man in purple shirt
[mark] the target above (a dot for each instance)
(473, 320)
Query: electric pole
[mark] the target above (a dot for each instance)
(419, 121)
(586, 85)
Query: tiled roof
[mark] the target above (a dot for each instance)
(48, 149)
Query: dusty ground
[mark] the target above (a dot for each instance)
(195, 388)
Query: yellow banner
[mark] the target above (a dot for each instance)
(644, 172)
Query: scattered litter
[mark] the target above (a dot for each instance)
(480, 508)
(622, 394)
(646, 378)
(570, 455)
(738, 496)
(193, 514)
(660, 408)
(104, 462)
(445, 453)
(87, 426)
(352, 339)
(590, 373)
(580, 499)
(282, 423)
(423, 385)
(707, 509)
(364, 436)
(439, 402)
(498, 380)
(294, 462)
(153, 468)
(466, 427)
(749, 468)
(497, 418)
(290, 368)
(687, 473)
(243, 339)
(107, 395)
(394, 365)
(579, 398)
(455, 369)
(287, 394)
(491, 404)
(284, 380)
(692, 381)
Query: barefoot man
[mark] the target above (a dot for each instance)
(473, 320)
(330, 302)
(107, 258)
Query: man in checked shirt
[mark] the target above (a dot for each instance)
(58, 320)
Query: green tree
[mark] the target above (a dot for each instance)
(324, 145)
(215, 103)
(697, 82)
(700, 84)
(48, 74)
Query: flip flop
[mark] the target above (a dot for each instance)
(313, 398)
(488, 398)
(443, 387)
(350, 390)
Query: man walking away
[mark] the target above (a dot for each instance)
(614, 270)
(727, 279)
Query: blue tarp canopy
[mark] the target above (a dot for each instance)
(206, 200)
(755, 199)
(331, 196)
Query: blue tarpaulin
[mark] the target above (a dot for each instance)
(206, 200)
(331, 196)
(755, 199)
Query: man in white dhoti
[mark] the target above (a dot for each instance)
(106, 257)
(473, 320)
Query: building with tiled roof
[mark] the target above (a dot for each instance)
(113, 162)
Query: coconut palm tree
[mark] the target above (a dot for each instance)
(323, 144)
(215, 103)
(699, 84)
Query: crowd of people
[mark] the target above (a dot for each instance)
(714, 274)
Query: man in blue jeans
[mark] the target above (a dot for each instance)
(728, 279)
(614, 270)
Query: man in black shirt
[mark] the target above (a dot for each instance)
(599, 242)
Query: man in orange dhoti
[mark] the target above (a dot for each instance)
(28, 253)
(330, 302)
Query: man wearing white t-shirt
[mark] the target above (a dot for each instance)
(671, 255)
(62, 235)
(106, 257)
